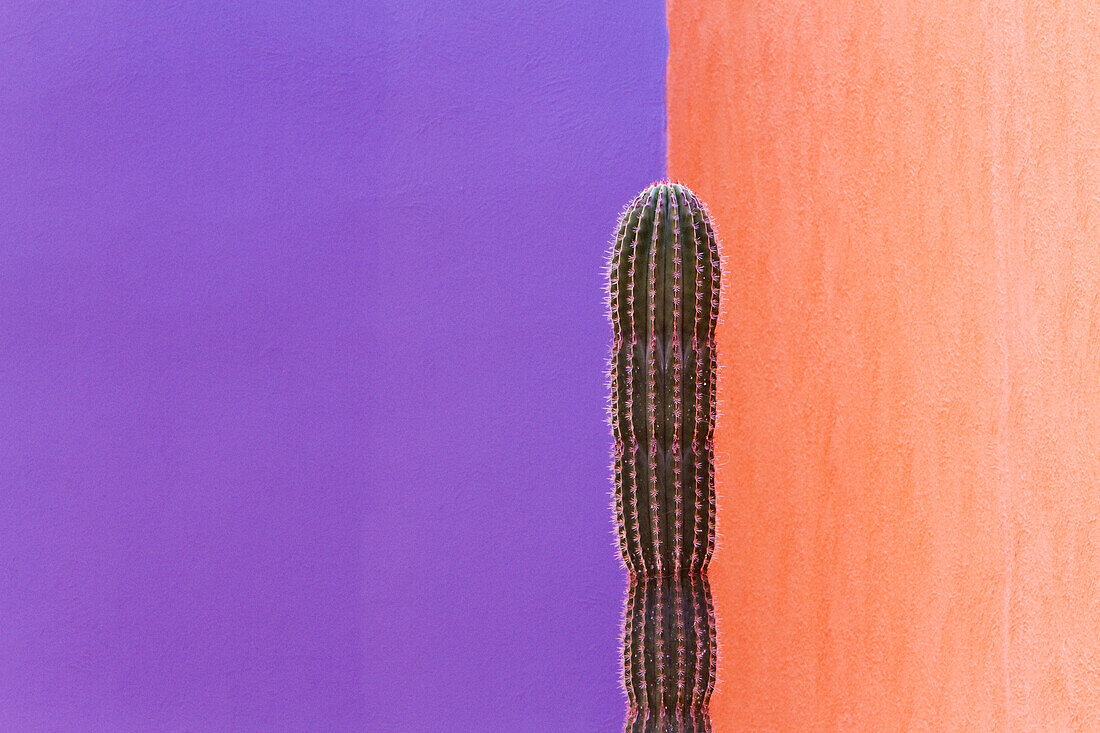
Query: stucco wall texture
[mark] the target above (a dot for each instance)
(909, 428)
(303, 348)
(511, 136)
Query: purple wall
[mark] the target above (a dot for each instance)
(301, 362)
(511, 136)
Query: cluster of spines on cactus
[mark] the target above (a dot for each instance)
(663, 298)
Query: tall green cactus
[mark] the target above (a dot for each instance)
(664, 283)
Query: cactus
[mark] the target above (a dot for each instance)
(663, 298)
(668, 653)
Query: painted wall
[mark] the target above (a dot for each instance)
(511, 136)
(909, 427)
(302, 339)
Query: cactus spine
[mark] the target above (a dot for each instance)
(664, 284)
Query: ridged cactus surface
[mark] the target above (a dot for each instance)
(664, 285)
(669, 654)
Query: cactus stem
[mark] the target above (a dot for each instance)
(664, 392)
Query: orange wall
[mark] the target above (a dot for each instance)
(908, 198)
